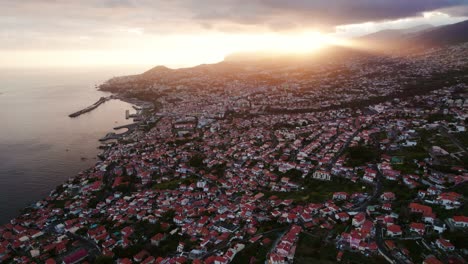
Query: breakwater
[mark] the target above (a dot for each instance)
(91, 107)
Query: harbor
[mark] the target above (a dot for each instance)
(130, 128)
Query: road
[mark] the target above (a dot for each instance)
(85, 240)
(377, 191)
(345, 146)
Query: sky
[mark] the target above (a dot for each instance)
(182, 33)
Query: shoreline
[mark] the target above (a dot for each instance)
(103, 146)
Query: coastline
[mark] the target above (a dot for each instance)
(104, 146)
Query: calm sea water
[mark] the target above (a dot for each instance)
(40, 146)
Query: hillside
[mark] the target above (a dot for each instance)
(420, 37)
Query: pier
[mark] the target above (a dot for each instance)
(91, 107)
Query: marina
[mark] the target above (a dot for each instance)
(112, 135)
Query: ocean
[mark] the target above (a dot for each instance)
(40, 146)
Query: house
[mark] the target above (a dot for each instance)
(419, 208)
(180, 247)
(340, 196)
(394, 230)
(339, 256)
(277, 259)
(445, 244)
(387, 196)
(368, 178)
(460, 221)
(355, 239)
(306, 217)
(439, 226)
(50, 261)
(387, 207)
(449, 200)
(422, 193)
(343, 216)
(156, 239)
(140, 256)
(178, 220)
(76, 257)
(322, 175)
(370, 172)
(390, 174)
(419, 228)
(224, 227)
(430, 218)
(359, 219)
(149, 260)
(127, 231)
(432, 260)
(291, 218)
(124, 261)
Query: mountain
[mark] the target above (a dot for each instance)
(444, 35)
(394, 34)
(423, 36)
(157, 71)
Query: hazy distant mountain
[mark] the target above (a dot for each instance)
(402, 40)
(395, 34)
(444, 35)
(423, 36)
(272, 59)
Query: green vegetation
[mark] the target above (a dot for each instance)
(168, 185)
(361, 155)
(253, 253)
(462, 189)
(319, 191)
(270, 225)
(443, 213)
(381, 135)
(440, 117)
(174, 183)
(148, 229)
(166, 246)
(458, 238)
(411, 153)
(284, 125)
(59, 203)
(462, 138)
(294, 174)
(445, 143)
(415, 250)
(196, 161)
(256, 252)
(311, 249)
(406, 167)
(103, 260)
(128, 252)
(402, 192)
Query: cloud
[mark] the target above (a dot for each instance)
(50, 24)
(460, 11)
(278, 14)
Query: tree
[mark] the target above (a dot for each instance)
(103, 260)
(196, 161)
